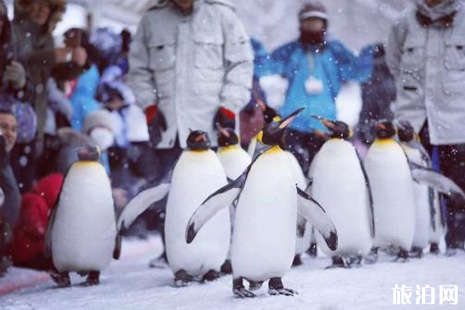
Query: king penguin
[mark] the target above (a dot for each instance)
(197, 173)
(390, 179)
(341, 186)
(82, 230)
(267, 201)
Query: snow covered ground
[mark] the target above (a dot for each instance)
(130, 284)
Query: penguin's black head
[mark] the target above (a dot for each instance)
(88, 153)
(198, 141)
(405, 131)
(385, 129)
(273, 132)
(226, 136)
(337, 129)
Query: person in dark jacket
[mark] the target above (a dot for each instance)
(378, 97)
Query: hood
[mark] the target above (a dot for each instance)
(439, 11)
(57, 8)
(49, 188)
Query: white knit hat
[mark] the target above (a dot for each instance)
(100, 118)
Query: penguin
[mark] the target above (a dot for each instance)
(338, 174)
(81, 236)
(390, 179)
(267, 201)
(197, 173)
(234, 160)
(424, 195)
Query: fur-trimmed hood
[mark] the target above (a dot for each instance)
(57, 8)
(439, 11)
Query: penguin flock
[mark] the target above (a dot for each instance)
(252, 215)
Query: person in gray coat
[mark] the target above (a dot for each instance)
(426, 54)
(190, 67)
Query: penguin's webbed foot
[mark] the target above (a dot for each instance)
(226, 268)
(182, 278)
(337, 262)
(416, 252)
(434, 248)
(60, 278)
(212, 275)
(276, 287)
(92, 279)
(402, 256)
(354, 261)
(240, 291)
(255, 285)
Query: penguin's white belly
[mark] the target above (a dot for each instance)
(264, 235)
(339, 186)
(234, 161)
(84, 230)
(195, 177)
(422, 204)
(393, 196)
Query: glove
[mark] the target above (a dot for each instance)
(156, 123)
(16, 74)
(226, 118)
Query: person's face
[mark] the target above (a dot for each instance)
(432, 3)
(8, 127)
(185, 5)
(39, 12)
(313, 24)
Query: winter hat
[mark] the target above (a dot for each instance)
(49, 188)
(100, 118)
(313, 9)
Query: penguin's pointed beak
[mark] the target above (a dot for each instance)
(222, 130)
(288, 120)
(202, 138)
(380, 126)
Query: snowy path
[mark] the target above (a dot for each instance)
(130, 284)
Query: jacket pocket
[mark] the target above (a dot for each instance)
(454, 58)
(162, 56)
(413, 57)
(208, 52)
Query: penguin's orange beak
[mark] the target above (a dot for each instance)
(223, 131)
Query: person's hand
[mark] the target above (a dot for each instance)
(16, 74)
(63, 54)
(156, 123)
(226, 118)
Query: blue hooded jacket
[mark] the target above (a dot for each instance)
(332, 64)
(83, 98)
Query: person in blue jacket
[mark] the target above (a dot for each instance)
(315, 66)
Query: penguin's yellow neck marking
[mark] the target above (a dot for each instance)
(83, 163)
(198, 151)
(228, 148)
(385, 141)
(274, 149)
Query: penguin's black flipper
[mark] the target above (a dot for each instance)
(435, 180)
(117, 249)
(220, 199)
(317, 216)
(370, 196)
(140, 203)
(48, 233)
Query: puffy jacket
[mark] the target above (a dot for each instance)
(82, 100)
(29, 232)
(333, 65)
(190, 65)
(425, 53)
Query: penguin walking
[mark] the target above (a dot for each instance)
(81, 236)
(341, 186)
(424, 195)
(390, 179)
(267, 201)
(197, 173)
(234, 160)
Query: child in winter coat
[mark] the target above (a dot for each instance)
(27, 246)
